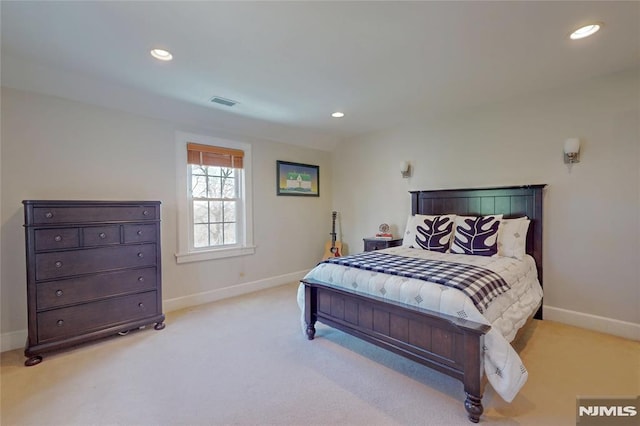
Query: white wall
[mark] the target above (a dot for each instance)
(59, 149)
(592, 213)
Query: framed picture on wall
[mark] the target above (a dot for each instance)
(297, 179)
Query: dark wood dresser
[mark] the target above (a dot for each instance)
(93, 270)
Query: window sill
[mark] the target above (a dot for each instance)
(198, 256)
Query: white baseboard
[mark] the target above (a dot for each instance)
(16, 339)
(13, 340)
(226, 292)
(628, 330)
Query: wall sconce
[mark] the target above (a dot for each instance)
(572, 151)
(405, 169)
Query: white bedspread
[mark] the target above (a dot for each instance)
(506, 314)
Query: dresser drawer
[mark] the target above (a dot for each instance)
(93, 316)
(372, 244)
(77, 262)
(53, 239)
(101, 235)
(139, 233)
(54, 294)
(56, 214)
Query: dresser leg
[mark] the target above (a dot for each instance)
(159, 326)
(33, 360)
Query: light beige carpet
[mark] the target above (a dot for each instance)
(244, 361)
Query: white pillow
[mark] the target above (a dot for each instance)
(429, 232)
(512, 237)
(409, 236)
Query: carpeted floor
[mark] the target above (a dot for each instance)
(245, 361)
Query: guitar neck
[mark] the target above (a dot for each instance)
(333, 228)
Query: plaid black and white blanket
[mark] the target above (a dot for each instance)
(480, 284)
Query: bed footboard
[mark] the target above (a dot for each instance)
(448, 344)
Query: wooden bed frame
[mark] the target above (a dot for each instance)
(445, 343)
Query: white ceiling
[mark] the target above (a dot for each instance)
(290, 64)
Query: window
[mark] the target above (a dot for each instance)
(214, 198)
(215, 178)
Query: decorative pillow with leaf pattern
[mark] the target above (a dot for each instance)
(476, 235)
(429, 232)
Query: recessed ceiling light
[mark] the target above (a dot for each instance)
(585, 31)
(337, 114)
(161, 54)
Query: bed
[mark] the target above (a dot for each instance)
(470, 344)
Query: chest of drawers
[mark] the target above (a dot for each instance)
(93, 270)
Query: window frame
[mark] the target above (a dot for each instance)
(186, 251)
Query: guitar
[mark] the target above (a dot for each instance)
(332, 248)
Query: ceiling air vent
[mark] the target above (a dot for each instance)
(223, 101)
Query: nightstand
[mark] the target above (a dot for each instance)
(371, 244)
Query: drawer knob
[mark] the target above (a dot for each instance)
(60, 323)
(58, 264)
(58, 238)
(140, 255)
(48, 215)
(145, 213)
(139, 232)
(59, 293)
(102, 235)
(141, 279)
(141, 305)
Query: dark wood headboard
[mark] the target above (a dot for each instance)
(511, 201)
